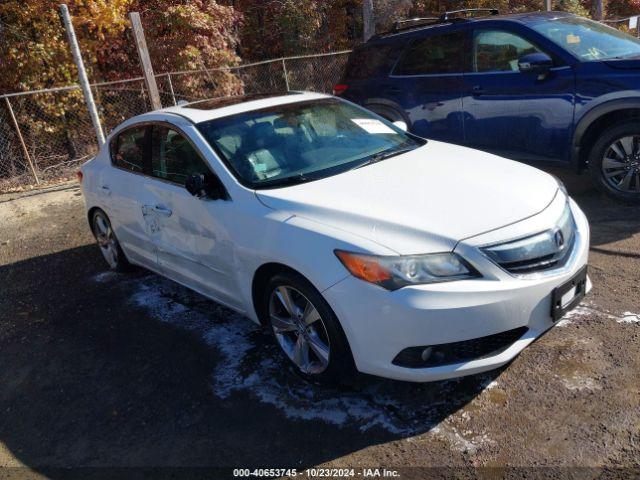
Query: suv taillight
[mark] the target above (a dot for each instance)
(339, 88)
(79, 176)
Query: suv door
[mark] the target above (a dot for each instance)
(120, 186)
(190, 234)
(511, 113)
(428, 81)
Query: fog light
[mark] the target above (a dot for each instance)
(426, 353)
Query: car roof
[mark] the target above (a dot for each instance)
(209, 109)
(524, 18)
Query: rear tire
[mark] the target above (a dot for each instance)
(306, 331)
(614, 162)
(108, 243)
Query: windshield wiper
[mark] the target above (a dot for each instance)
(378, 157)
(283, 182)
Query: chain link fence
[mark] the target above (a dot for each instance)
(45, 135)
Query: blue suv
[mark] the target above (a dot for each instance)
(535, 87)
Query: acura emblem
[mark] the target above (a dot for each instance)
(559, 239)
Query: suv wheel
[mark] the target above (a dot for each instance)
(307, 331)
(614, 162)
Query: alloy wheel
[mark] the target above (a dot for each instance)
(299, 330)
(621, 164)
(106, 239)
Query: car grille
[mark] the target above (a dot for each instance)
(540, 252)
(458, 352)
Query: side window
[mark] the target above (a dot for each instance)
(127, 149)
(173, 157)
(436, 54)
(371, 61)
(499, 51)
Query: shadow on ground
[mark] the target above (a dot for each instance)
(610, 221)
(102, 369)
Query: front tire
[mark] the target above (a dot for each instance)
(307, 331)
(108, 243)
(614, 162)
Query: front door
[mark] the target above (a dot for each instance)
(428, 83)
(511, 113)
(189, 232)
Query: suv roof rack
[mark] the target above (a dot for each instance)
(448, 16)
(415, 22)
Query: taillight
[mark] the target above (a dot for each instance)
(79, 176)
(339, 88)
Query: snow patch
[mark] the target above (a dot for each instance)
(577, 382)
(464, 442)
(105, 277)
(250, 365)
(628, 317)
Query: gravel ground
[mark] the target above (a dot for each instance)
(105, 370)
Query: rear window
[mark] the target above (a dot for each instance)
(436, 54)
(372, 61)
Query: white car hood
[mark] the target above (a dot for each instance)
(422, 201)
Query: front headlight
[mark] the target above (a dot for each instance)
(561, 186)
(394, 272)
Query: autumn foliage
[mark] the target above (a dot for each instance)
(197, 34)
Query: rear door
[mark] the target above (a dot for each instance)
(189, 232)
(428, 82)
(120, 187)
(514, 114)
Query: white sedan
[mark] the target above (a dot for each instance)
(361, 247)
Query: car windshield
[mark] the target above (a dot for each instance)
(588, 40)
(303, 141)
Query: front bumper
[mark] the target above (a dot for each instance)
(379, 324)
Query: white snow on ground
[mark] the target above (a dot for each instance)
(251, 365)
(628, 317)
(588, 308)
(105, 277)
(578, 382)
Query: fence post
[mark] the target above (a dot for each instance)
(82, 74)
(24, 145)
(368, 20)
(598, 10)
(145, 61)
(173, 95)
(286, 75)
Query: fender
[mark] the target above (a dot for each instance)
(594, 114)
(383, 107)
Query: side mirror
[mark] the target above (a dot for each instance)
(200, 185)
(539, 63)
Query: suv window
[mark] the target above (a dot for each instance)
(433, 55)
(173, 157)
(127, 149)
(371, 61)
(499, 51)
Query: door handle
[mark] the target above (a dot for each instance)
(162, 210)
(106, 190)
(477, 90)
